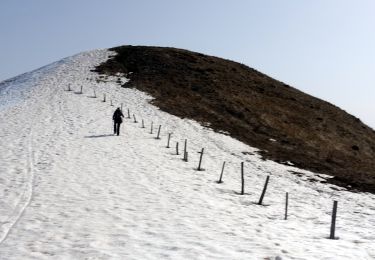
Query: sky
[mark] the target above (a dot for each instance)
(325, 48)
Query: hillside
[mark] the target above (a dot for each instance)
(70, 189)
(287, 125)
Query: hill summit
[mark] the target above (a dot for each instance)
(287, 125)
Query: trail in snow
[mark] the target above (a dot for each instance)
(99, 196)
(25, 198)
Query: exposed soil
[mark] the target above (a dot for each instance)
(283, 122)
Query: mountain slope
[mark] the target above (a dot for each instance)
(285, 123)
(71, 190)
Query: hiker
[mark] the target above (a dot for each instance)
(117, 120)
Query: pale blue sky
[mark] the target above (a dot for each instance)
(323, 47)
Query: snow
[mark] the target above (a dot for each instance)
(72, 190)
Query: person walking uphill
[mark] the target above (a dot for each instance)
(117, 120)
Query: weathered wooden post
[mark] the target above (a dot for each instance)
(135, 119)
(242, 180)
(177, 152)
(286, 205)
(69, 89)
(200, 160)
(333, 220)
(81, 89)
(169, 138)
(264, 191)
(186, 156)
(128, 113)
(143, 123)
(103, 97)
(112, 104)
(158, 136)
(185, 147)
(221, 175)
(152, 126)
(94, 93)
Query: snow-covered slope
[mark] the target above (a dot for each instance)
(71, 190)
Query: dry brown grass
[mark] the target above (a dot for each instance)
(253, 108)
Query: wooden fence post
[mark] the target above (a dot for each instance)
(111, 103)
(143, 123)
(186, 156)
(177, 153)
(135, 119)
(94, 93)
(286, 205)
(242, 180)
(221, 175)
(158, 136)
(185, 147)
(103, 97)
(200, 160)
(81, 89)
(152, 126)
(264, 191)
(69, 89)
(169, 138)
(128, 113)
(333, 220)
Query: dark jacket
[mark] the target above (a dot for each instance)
(117, 116)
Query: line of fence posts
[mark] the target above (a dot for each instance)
(221, 174)
(260, 202)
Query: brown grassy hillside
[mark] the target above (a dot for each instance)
(253, 108)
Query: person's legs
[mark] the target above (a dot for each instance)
(118, 128)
